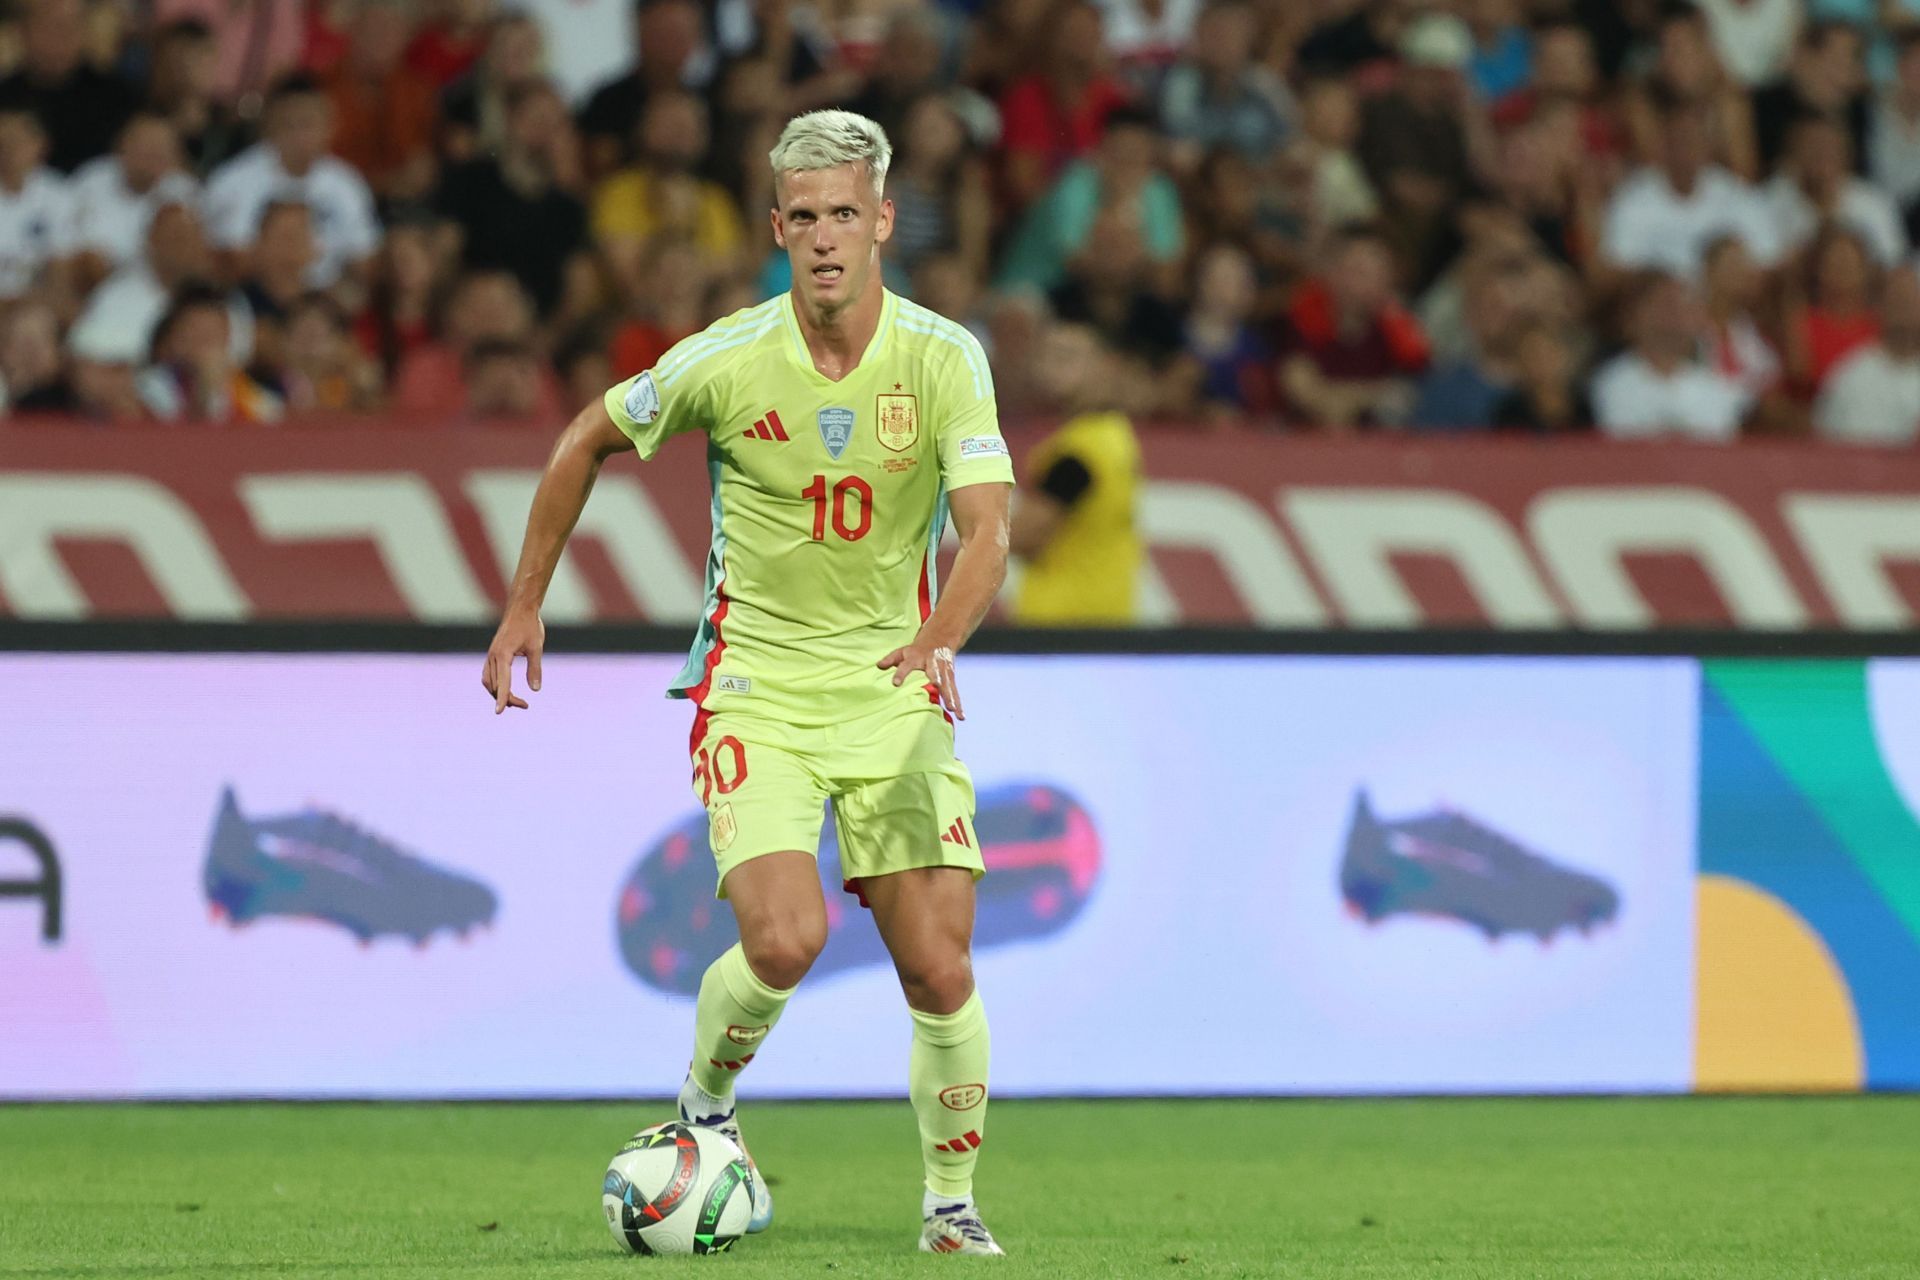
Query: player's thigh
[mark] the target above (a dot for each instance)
(761, 795)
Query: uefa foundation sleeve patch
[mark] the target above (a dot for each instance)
(983, 447)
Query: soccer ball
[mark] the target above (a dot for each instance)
(677, 1188)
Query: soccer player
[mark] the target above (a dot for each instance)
(844, 424)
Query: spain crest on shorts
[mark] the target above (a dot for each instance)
(898, 419)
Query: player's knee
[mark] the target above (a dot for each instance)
(937, 984)
(781, 956)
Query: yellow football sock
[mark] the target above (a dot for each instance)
(734, 1014)
(947, 1079)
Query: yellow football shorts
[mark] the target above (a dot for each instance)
(901, 798)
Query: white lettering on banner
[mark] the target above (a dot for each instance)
(1585, 534)
(1245, 542)
(160, 529)
(503, 498)
(1352, 535)
(643, 549)
(1848, 540)
(396, 511)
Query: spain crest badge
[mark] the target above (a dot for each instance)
(898, 419)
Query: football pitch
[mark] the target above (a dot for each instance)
(1818, 1187)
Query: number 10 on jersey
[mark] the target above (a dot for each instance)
(850, 495)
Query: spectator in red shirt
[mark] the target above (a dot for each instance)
(1836, 316)
(1350, 348)
(385, 113)
(486, 306)
(1056, 114)
(448, 44)
(398, 319)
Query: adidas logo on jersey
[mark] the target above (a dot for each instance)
(956, 834)
(767, 428)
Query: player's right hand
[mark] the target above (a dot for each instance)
(521, 632)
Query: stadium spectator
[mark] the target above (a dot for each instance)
(1817, 185)
(1008, 41)
(1228, 360)
(1734, 290)
(32, 375)
(36, 210)
(1893, 135)
(1015, 319)
(320, 369)
(1074, 524)
(1324, 153)
(274, 278)
(1873, 396)
(1360, 36)
(1418, 142)
(1662, 217)
(1753, 38)
(473, 109)
(940, 191)
(1218, 96)
(193, 376)
(180, 88)
(1145, 37)
(946, 284)
(1659, 386)
(81, 108)
(514, 211)
(120, 317)
(104, 385)
(1111, 286)
(1502, 61)
(1546, 397)
(114, 196)
(583, 365)
(908, 69)
(253, 43)
(664, 292)
(1832, 315)
(663, 192)
(1825, 77)
(483, 306)
(1687, 70)
(1564, 75)
(1538, 180)
(448, 45)
(504, 386)
(291, 162)
(1057, 113)
(1349, 348)
(386, 113)
(398, 317)
(1461, 394)
(1122, 177)
(671, 55)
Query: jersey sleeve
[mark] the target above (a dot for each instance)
(972, 450)
(671, 398)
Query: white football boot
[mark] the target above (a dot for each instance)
(727, 1124)
(956, 1228)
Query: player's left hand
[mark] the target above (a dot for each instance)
(936, 661)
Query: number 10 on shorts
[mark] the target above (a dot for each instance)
(722, 769)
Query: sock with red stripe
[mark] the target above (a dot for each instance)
(734, 1014)
(947, 1079)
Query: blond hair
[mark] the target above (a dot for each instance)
(828, 139)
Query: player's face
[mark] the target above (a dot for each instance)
(831, 224)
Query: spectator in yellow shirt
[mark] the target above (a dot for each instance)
(663, 193)
(1075, 522)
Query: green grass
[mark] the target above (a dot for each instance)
(1571, 1188)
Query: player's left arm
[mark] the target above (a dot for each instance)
(980, 517)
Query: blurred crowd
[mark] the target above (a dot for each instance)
(1645, 217)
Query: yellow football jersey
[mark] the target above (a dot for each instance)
(829, 498)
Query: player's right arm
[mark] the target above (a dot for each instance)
(589, 440)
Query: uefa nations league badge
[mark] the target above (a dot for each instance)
(836, 428)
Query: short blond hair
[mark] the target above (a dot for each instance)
(828, 139)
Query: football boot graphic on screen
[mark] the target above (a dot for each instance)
(315, 865)
(1449, 865)
(1039, 843)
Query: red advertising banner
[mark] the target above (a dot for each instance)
(404, 523)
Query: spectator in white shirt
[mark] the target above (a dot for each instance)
(1733, 289)
(36, 210)
(1893, 132)
(1659, 386)
(114, 196)
(1873, 396)
(118, 323)
(291, 163)
(1754, 37)
(1662, 218)
(1817, 185)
